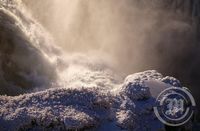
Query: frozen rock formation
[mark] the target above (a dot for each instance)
(127, 106)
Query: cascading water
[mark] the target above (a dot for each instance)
(137, 35)
(74, 80)
(30, 60)
(26, 51)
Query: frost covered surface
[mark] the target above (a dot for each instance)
(127, 106)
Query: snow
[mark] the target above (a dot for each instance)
(127, 107)
(87, 95)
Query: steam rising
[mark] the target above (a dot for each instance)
(123, 36)
(133, 35)
(136, 34)
(101, 41)
(117, 30)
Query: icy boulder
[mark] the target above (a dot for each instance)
(144, 84)
(134, 85)
(129, 106)
(138, 94)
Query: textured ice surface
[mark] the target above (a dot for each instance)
(127, 106)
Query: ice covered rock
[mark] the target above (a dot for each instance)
(134, 85)
(53, 109)
(138, 94)
(127, 107)
(171, 81)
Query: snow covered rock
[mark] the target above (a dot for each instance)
(54, 109)
(138, 94)
(127, 107)
(134, 85)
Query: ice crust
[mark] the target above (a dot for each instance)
(128, 106)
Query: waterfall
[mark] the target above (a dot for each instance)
(63, 63)
(27, 53)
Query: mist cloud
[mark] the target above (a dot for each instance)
(136, 35)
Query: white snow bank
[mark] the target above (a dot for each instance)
(127, 106)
